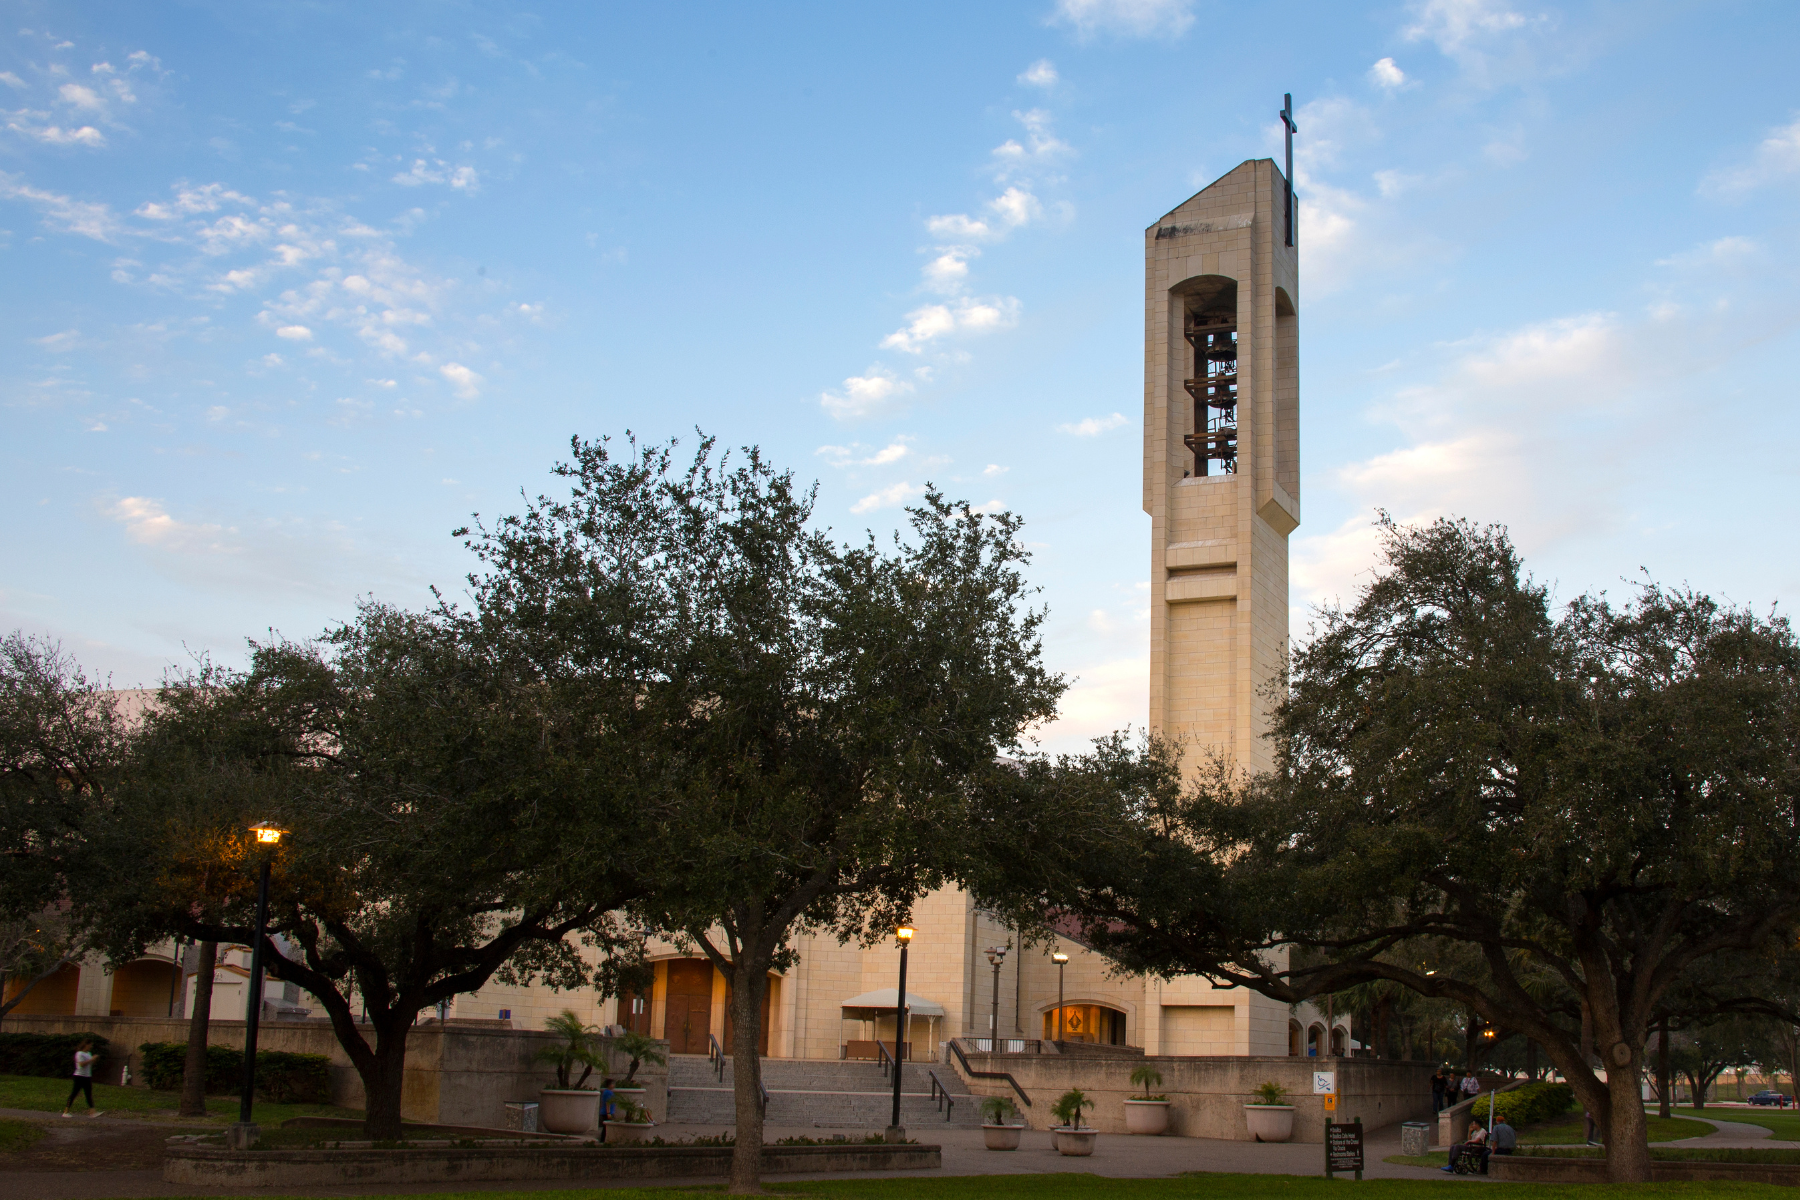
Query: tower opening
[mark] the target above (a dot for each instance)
(1210, 326)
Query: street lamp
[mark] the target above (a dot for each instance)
(995, 955)
(1061, 960)
(243, 1135)
(896, 1133)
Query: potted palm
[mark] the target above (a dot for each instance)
(1147, 1113)
(1072, 1137)
(633, 1124)
(1269, 1119)
(569, 1107)
(998, 1130)
(637, 1049)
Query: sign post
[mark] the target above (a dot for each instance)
(1325, 1087)
(1344, 1147)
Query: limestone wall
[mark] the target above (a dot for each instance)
(455, 1075)
(1209, 1094)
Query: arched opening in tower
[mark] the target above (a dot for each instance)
(1210, 325)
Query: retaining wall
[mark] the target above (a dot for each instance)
(455, 1074)
(1207, 1095)
(1520, 1169)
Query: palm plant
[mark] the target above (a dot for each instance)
(574, 1049)
(1270, 1092)
(1068, 1106)
(1145, 1077)
(639, 1048)
(998, 1110)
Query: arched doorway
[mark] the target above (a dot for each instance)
(1086, 1023)
(1295, 1036)
(1315, 1041)
(687, 1015)
(53, 997)
(1339, 1043)
(145, 988)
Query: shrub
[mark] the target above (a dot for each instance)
(51, 1054)
(998, 1110)
(280, 1077)
(1147, 1077)
(1529, 1105)
(1270, 1092)
(1068, 1106)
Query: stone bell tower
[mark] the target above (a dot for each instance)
(1221, 459)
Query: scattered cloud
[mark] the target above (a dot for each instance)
(933, 321)
(59, 343)
(1724, 252)
(993, 469)
(889, 497)
(466, 382)
(1385, 74)
(294, 333)
(1454, 26)
(63, 213)
(1093, 426)
(1041, 73)
(865, 395)
(1125, 18)
(1777, 158)
(462, 178)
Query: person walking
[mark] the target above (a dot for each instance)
(607, 1098)
(1471, 1086)
(1440, 1086)
(82, 1082)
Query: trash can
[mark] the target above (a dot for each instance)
(1415, 1137)
(522, 1116)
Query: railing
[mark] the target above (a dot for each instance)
(715, 1056)
(886, 1059)
(1005, 1045)
(972, 1073)
(945, 1101)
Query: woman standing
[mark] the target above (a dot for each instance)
(83, 1079)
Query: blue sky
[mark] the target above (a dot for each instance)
(292, 289)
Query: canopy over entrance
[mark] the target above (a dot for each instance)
(881, 998)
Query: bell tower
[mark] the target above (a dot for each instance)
(1221, 459)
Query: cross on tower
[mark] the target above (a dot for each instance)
(1287, 121)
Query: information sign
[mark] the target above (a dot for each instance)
(1343, 1147)
(1324, 1083)
(1330, 1103)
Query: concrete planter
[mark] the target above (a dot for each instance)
(1146, 1116)
(629, 1131)
(568, 1111)
(1002, 1137)
(1270, 1122)
(1076, 1143)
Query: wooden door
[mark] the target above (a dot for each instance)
(688, 1015)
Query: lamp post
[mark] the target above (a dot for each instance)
(896, 1132)
(995, 955)
(1061, 960)
(244, 1133)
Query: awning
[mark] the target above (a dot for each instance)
(881, 998)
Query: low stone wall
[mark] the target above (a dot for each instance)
(455, 1074)
(1207, 1095)
(194, 1165)
(1520, 1169)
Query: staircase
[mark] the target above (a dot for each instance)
(820, 1093)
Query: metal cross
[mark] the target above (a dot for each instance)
(1287, 121)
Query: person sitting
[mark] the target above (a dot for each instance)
(1503, 1139)
(1470, 1156)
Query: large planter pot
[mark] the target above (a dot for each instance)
(1270, 1122)
(1146, 1116)
(1076, 1143)
(634, 1093)
(569, 1111)
(1002, 1137)
(628, 1131)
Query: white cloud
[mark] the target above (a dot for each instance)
(466, 382)
(1093, 426)
(888, 497)
(56, 135)
(190, 200)
(1724, 252)
(1125, 18)
(294, 333)
(959, 228)
(462, 178)
(1386, 74)
(148, 523)
(58, 343)
(77, 96)
(1777, 158)
(1016, 207)
(81, 217)
(1041, 73)
(993, 469)
(846, 456)
(11, 80)
(949, 270)
(927, 324)
(864, 395)
(1106, 696)
(990, 508)
(1453, 26)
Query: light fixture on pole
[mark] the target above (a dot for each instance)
(244, 1133)
(896, 1132)
(995, 955)
(1061, 960)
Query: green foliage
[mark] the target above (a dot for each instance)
(1270, 1092)
(281, 1077)
(51, 1054)
(638, 1048)
(1068, 1107)
(1528, 1105)
(19, 1135)
(630, 1110)
(578, 1048)
(998, 1110)
(1146, 1077)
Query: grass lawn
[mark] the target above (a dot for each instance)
(16, 1135)
(1570, 1131)
(1783, 1122)
(1196, 1186)
(39, 1094)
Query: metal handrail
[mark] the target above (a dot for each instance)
(715, 1055)
(884, 1058)
(945, 1101)
(972, 1073)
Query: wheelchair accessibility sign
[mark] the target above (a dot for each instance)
(1324, 1083)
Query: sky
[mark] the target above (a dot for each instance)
(290, 290)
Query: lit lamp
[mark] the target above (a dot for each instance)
(1061, 960)
(896, 1132)
(244, 1134)
(995, 955)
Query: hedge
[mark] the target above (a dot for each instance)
(1529, 1105)
(51, 1054)
(281, 1077)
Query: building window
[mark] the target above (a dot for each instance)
(1087, 1023)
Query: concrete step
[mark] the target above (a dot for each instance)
(822, 1093)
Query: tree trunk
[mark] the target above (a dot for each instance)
(1662, 1067)
(749, 981)
(1531, 1062)
(1627, 1130)
(193, 1068)
(383, 1077)
(1587, 1062)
